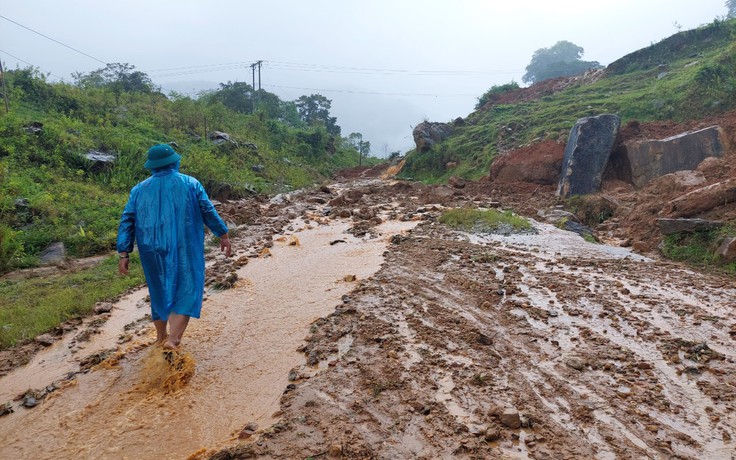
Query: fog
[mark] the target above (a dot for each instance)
(386, 65)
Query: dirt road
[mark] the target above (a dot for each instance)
(448, 345)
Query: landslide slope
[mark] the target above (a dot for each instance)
(688, 76)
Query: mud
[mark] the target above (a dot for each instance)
(385, 334)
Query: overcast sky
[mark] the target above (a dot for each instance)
(385, 64)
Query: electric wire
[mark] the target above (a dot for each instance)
(53, 40)
(26, 62)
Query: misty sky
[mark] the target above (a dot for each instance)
(385, 64)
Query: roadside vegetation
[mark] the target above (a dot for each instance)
(699, 248)
(51, 191)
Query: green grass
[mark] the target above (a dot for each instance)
(33, 306)
(698, 248)
(477, 220)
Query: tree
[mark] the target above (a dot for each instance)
(561, 60)
(315, 110)
(236, 96)
(119, 77)
(731, 5)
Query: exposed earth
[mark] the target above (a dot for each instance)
(353, 324)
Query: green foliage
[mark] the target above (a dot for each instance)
(563, 59)
(36, 305)
(698, 248)
(731, 5)
(314, 110)
(480, 221)
(494, 92)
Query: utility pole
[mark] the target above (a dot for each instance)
(5, 89)
(256, 95)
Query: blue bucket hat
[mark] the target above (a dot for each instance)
(161, 155)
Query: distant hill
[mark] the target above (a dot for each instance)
(687, 76)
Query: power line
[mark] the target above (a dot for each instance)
(373, 92)
(26, 62)
(53, 40)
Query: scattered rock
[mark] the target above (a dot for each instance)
(428, 133)
(103, 307)
(727, 250)
(511, 419)
(46, 339)
(6, 409)
(30, 402)
(54, 253)
(492, 434)
(576, 363)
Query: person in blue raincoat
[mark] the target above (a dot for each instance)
(165, 216)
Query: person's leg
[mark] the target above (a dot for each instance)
(161, 334)
(178, 324)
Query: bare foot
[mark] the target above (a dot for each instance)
(161, 340)
(170, 345)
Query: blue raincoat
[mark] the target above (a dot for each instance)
(165, 216)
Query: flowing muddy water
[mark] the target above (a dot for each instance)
(244, 346)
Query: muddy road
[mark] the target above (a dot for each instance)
(358, 326)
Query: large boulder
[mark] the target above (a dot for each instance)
(428, 133)
(649, 159)
(100, 161)
(586, 155)
(538, 163)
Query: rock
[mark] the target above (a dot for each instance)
(580, 229)
(54, 253)
(102, 307)
(556, 217)
(258, 168)
(100, 161)
(538, 163)
(492, 434)
(586, 154)
(335, 451)
(649, 159)
(727, 250)
(670, 226)
(219, 138)
(46, 339)
(6, 409)
(349, 278)
(457, 182)
(248, 431)
(640, 246)
(703, 199)
(576, 363)
(427, 133)
(29, 402)
(496, 410)
(438, 195)
(34, 127)
(678, 181)
(511, 419)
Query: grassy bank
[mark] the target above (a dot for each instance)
(33, 306)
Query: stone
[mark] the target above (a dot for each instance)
(258, 168)
(703, 199)
(457, 182)
(428, 133)
(511, 419)
(102, 307)
(671, 226)
(46, 339)
(29, 402)
(492, 434)
(649, 159)
(576, 363)
(335, 451)
(556, 216)
(576, 227)
(727, 250)
(100, 161)
(54, 253)
(6, 409)
(586, 155)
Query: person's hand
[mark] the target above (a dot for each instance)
(123, 265)
(225, 245)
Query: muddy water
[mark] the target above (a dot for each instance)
(244, 346)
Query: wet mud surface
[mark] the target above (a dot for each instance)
(453, 345)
